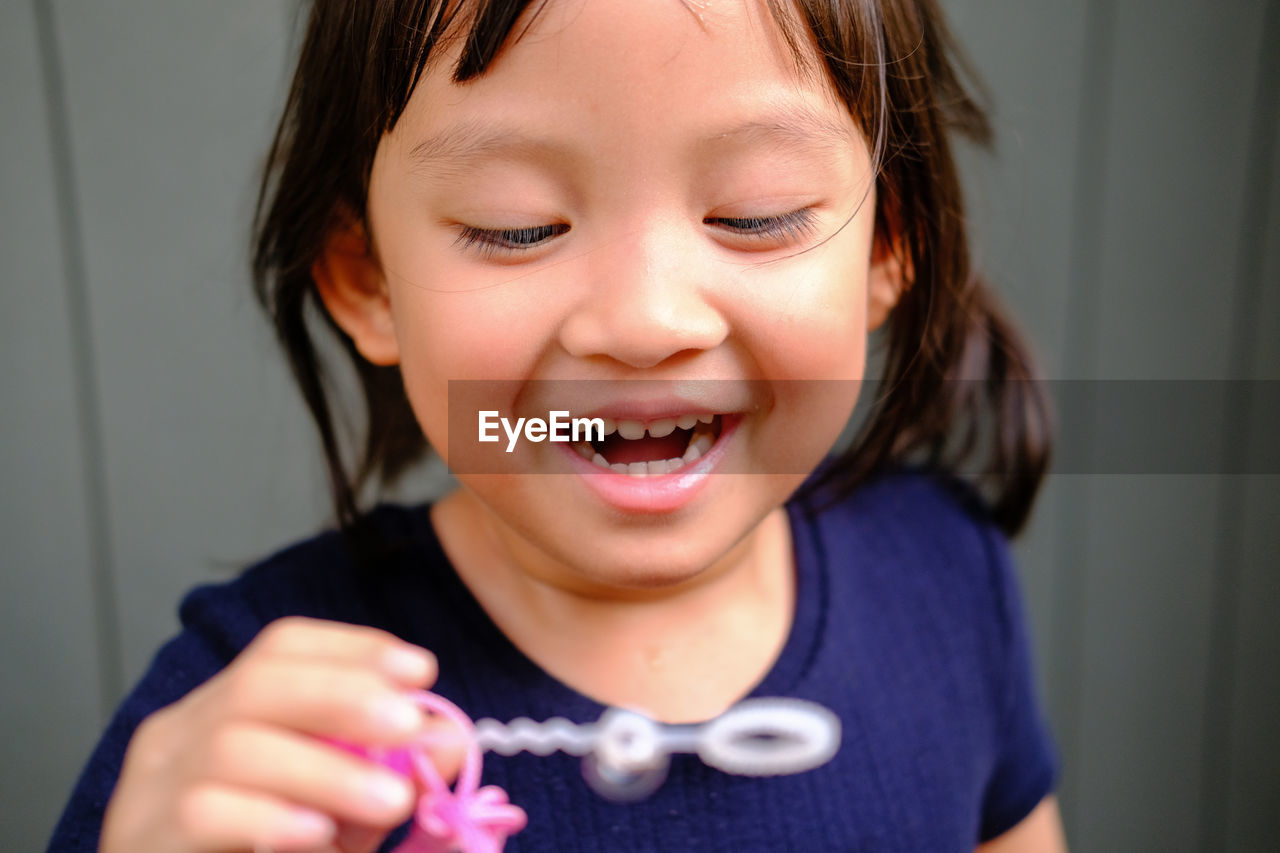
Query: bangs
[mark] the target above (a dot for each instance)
(841, 39)
(411, 33)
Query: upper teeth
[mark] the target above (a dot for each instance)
(632, 430)
(699, 444)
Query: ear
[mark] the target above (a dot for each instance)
(354, 290)
(889, 278)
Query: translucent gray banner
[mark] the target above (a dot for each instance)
(784, 427)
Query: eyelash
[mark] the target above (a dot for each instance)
(792, 226)
(489, 242)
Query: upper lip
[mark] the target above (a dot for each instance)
(647, 411)
(628, 401)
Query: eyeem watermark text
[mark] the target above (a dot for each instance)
(558, 427)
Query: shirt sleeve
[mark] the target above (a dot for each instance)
(214, 630)
(1026, 761)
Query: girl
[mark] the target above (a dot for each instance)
(680, 219)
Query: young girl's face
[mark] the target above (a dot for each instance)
(632, 191)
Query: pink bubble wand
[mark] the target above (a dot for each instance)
(625, 757)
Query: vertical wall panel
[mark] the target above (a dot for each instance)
(1145, 637)
(1252, 741)
(1176, 140)
(1252, 787)
(1177, 145)
(52, 703)
(1021, 199)
(209, 460)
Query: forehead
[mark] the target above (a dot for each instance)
(610, 72)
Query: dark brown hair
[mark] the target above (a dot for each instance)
(957, 391)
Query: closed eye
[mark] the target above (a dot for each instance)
(788, 227)
(492, 241)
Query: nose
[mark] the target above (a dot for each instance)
(649, 296)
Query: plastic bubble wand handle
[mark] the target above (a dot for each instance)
(466, 817)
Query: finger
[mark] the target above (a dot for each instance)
(353, 838)
(216, 818)
(348, 703)
(301, 638)
(309, 773)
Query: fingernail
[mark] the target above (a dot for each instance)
(387, 791)
(409, 663)
(399, 714)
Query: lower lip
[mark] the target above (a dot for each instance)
(657, 494)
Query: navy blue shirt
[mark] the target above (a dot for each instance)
(908, 625)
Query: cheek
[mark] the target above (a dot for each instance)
(486, 335)
(453, 319)
(813, 323)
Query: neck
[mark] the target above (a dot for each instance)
(683, 650)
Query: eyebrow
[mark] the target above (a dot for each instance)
(471, 141)
(793, 126)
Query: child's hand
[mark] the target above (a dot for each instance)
(238, 763)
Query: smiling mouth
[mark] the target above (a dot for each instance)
(652, 449)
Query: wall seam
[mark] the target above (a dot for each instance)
(1220, 681)
(87, 393)
(1080, 353)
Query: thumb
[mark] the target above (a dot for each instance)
(446, 745)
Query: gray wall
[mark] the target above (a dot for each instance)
(150, 440)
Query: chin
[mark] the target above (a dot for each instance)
(646, 575)
(648, 561)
